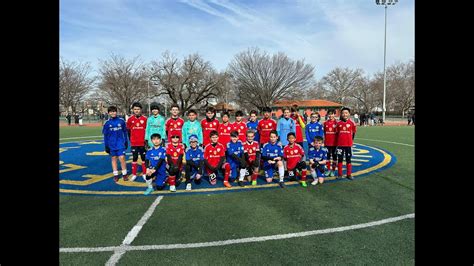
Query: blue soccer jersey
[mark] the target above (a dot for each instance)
(253, 126)
(115, 133)
(271, 151)
(195, 155)
(154, 155)
(312, 130)
(234, 149)
(318, 155)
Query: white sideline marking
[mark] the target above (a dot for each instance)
(123, 248)
(82, 137)
(410, 145)
(133, 233)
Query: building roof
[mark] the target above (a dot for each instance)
(306, 103)
(224, 106)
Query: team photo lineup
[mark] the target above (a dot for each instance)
(236, 151)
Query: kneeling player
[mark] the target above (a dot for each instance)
(235, 157)
(214, 160)
(174, 157)
(317, 159)
(272, 155)
(252, 155)
(194, 162)
(294, 156)
(156, 164)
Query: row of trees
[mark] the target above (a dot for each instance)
(254, 79)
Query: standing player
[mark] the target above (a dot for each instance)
(317, 158)
(174, 157)
(272, 156)
(345, 130)
(265, 126)
(235, 157)
(174, 124)
(224, 129)
(252, 156)
(314, 128)
(194, 162)
(240, 126)
(214, 160)
(192, 127)
(330, 142)
(154, 124)
(209, 124)
(299, 125)
(115, 141)
(156, 164)
(252, 123)
(136, 124)
(285, 126)
(294, 156)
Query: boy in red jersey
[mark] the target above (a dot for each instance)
(174, 158)
(136, 124)
(240, 126)
(224, 129)
(330, 142)
(209, 124)
(294, 156)
(174, 124)
(252, 156)
(299, 124)
(214, 160)
(265, 126)
(345, 130)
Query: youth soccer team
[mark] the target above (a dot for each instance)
(235, 150)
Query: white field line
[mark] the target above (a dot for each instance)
(376, 140)
(82, 137)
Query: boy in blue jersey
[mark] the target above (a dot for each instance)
(317, 155)
(272, 156)
(285, 125)
(235, 157)
(115, 141)
(314, 128)
(194, 162)
(155, 164)
(252, 123)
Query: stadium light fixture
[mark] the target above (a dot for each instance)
(385, 3)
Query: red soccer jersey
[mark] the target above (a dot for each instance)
(264, 127)
(175, 152)
(251, 149)
(344, 130)
(137, 127)
(224, 133)
(174, 127)
(330, 136)
(207, 127)
(299, 131)
(292, 155)
(241, 127)
(213, 154)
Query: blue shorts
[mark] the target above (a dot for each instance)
(118, 152)
(269, 170)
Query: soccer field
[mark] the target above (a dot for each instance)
(369, 220)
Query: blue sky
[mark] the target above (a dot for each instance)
(326, 33)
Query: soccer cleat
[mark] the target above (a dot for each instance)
(226, 184)
(212, 179)
(281, 184)
(125, 178)
(172, 188)
(188, 186)
(116, 178)
(303, 184)
(333, 173)
(350, 177)
(148, 191)
(132, 178)
(315, 182)
(328, 173)
(254, 182)
(241, 183)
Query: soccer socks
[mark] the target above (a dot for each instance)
(134, 168)
(281, 173)
(115, 173)
(339, 168)
(172, 180)
(242, 174)
(333, 166)
(148, 182)
(226, 172)
(124, 172)
(313, 174)
(254, 176)
(328, 164)
(143, 168)
(349, 169)
(303, 175)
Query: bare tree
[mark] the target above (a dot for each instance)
(317, 91)
(367, 94)
(341, 82)
(401, 85)
(74, 83)
(262, 79)
(189, 83)
(122, 82)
